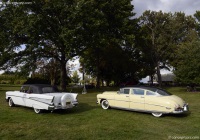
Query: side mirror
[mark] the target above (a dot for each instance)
(118, 92)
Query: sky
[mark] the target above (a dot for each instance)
(189, 7)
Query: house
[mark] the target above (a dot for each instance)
(167, 79)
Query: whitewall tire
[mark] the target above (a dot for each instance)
(157, 114)
(10, 102)
(105, 104)
(38, 111)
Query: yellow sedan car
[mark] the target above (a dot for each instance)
(145, 99)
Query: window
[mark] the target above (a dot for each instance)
(24, 89)
(151, 93)
(33, 90)
(163, 92)
(124, 91)
(138, 91)
(47, 89)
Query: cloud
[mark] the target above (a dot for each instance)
(189, 7)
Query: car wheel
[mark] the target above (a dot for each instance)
(38, 111)
(157, 114)
(11, 103)
(105, 104)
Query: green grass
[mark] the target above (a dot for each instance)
(89, 121)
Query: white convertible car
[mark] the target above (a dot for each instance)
(146, 99)
(41, 97)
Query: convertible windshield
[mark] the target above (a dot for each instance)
(163, 92)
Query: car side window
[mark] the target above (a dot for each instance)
(151, 93)
(33, 90)
(138, 91)
(24, 89)
(124, 91)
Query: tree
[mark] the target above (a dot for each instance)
(48, 29)
(111, 31)
(157, 27)
(64, 29)
(188, 66)
(197, 16)
(186, 62)
(165, 31)
(75, 77)
(48, 69)
(7, 51)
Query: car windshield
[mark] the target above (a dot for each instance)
(49, 89)
(163, 92)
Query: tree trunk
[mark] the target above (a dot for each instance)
(98, 81)
(151, 80)
(63, 82)
(53, 81)
(53, 71)
(98, 72)
(159, 75)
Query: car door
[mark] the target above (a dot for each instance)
(154, 102)
(137, 99)
(21, 96)
(122, 99)
(18, 98)
(30, 92)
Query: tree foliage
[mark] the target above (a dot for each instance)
(112, 31)
(64, 29)
(186, 60)
(113, 46)
(165, 31)
(75, 77)
(187, 69)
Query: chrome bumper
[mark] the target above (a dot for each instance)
(75, 103)
(52, 107)
(184, 109)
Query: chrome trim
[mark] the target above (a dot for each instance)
(139, 110)
(157, 105)
(74, 103)
(39, 101)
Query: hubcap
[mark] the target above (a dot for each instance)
(105, 104)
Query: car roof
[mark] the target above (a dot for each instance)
(145, 87)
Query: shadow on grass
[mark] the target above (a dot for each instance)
(82, 107)
(164, 115)
(179, 115)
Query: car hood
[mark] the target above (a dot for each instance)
(109, 92)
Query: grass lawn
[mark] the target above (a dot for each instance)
(89, 121)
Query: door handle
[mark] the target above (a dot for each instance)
(141, 97)
(127, 96)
